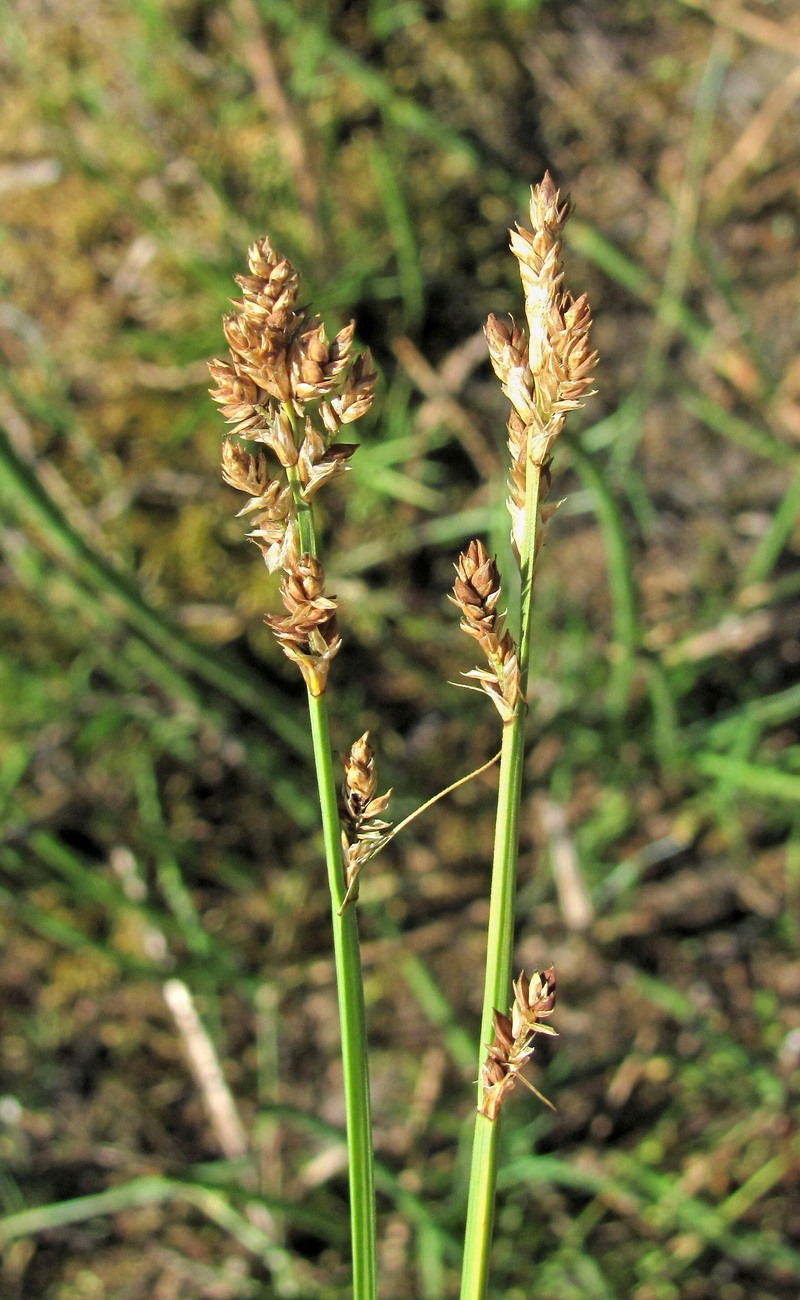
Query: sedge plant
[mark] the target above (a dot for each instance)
(288, 391)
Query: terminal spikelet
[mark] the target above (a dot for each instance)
(287, 388)
(545, 371)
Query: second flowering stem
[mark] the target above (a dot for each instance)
(500, 938)
(545, 371)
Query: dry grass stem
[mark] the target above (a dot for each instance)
(574, 898)
(257, 52)
(207, 1071)
(753, 144)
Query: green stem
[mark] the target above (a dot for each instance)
(349, 981)
(347, 956)
(500, 936)
(480, 1210)
(500, 939)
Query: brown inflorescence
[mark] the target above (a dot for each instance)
(280, 358)
(287, 388)
(514, 1039)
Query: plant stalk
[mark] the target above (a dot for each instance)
(349, 981)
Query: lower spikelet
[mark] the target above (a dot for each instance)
(364, 831)
(513, 1044)
(476, 592)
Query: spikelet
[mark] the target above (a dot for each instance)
(364, 831)
(476, 592)
(514, 1040)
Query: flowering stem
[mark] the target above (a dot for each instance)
(303, 511)
(545, 371)
(500, 939)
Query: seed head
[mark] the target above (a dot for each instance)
(279, 353)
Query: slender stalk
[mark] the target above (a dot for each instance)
(533, 481)
(350, 989)
(480, 1210)
(500, 936)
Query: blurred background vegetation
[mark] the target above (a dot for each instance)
(160, 856)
